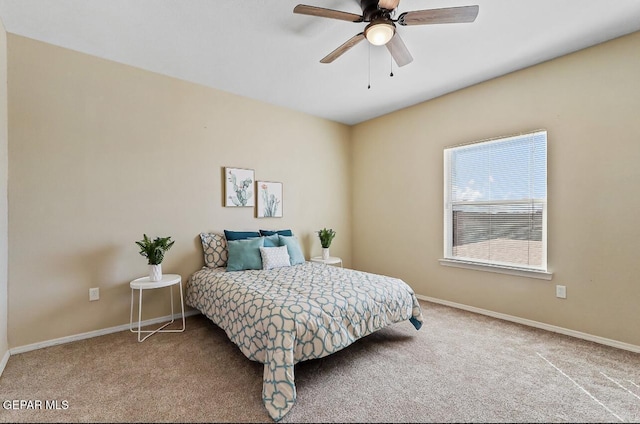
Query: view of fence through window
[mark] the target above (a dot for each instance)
(495, 201)
(507, 237)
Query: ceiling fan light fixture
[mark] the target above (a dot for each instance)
(379, 34)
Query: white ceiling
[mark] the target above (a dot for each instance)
(262, 50)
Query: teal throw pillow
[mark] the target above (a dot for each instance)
(240, 235)
(295, 252)
(269, 241)
(244, 254)
(287, 233)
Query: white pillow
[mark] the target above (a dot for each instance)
(275, 257)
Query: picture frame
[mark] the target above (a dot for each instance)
(269, 199)
(238, 187)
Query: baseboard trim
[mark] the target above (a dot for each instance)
(96, 333)
(3, 362)
(511, 318)
(536, 324)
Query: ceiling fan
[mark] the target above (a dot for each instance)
(381, 29)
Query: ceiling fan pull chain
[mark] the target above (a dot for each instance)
(369, 86)
(391, 65)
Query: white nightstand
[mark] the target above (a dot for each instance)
(168, 280)
(331, 260)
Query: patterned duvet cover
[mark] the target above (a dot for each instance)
(286, 315)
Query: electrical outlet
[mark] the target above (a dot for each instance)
(561, 292)
(94, 294)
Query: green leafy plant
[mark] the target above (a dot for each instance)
(326, 237)
(154, 250)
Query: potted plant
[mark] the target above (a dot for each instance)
(154, 251)
(326, 237)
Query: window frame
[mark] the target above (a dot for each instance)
(449, 259)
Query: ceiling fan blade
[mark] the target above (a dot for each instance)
(388, 4)
(343, 48)
(399, 51)
(447, 15)
(303, 9)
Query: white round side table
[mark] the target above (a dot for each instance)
(140, 284)
(331, 260)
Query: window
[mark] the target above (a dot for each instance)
(495, 200)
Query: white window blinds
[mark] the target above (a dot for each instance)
(496, 202)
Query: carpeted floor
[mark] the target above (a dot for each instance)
(460, 367)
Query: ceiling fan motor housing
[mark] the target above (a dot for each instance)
(371, 11)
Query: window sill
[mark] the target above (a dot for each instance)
(542, 275)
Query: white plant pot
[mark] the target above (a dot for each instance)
(155, 272)
(325, 253)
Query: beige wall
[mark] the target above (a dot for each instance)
(4, 347)
(590, 103)
(100, 153)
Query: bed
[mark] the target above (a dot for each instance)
(289, 314)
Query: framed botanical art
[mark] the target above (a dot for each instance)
(238, 187)
(269, 203)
